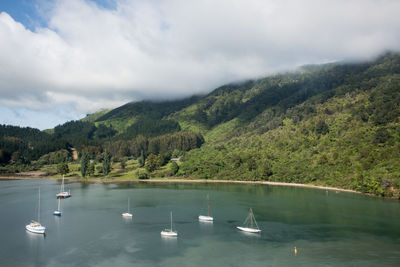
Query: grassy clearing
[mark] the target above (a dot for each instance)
(129, 173)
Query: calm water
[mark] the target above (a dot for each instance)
(327, 228)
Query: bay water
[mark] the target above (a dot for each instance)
(328, 228)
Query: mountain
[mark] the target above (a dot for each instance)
(334, 124)
(338, 125)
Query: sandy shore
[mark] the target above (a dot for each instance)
(176, 180)
(247, 182)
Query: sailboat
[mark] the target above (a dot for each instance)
(36, 227)
(63, 193)
(207, 218)
(127, 214)
(169, 232)
(58, 211)
(250, 224)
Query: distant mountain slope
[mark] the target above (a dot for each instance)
(247, 100)
(153, 110)
(94, 116)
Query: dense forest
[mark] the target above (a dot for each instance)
(335, 124)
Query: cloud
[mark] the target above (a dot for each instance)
(91, 57)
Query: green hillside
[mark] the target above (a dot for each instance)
(334, 124)
(345, 134)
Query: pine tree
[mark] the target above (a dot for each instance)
(106, 163)
(141, 159)
(84, 163)
(91, 169)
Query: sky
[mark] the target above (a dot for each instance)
(63, 59)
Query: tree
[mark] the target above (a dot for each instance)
(174, 168)
(84, 163)
(62, 168)
(142, 174)
(141, 159)
(106, 163)
(251, 164)
(91, 168)
(381, 136)
(15, 156)
(267, 171)
(153, 162)
(4, 156)
(321, 127)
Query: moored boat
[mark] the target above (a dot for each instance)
(207, 218)
(35, 226)
(250, 224)
(63, 193)
(169, 232)
(58, 211)
(127, 214)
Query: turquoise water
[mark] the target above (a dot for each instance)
(328, 228)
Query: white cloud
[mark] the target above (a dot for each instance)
(93, 57)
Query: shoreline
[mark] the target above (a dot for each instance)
(177, 180)
(250, 182)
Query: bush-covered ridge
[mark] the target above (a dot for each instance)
(334, 124)
(346, 137)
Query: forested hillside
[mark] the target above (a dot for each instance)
(347, 135)
(334, 124)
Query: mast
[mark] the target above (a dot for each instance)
(251, 218)
(59, 201)
(62, 185)
(171, 221)
(128, 204)
(208, 204)
(39, 207)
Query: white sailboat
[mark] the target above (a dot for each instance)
(206, 218)
(250, 224)
(63, 193)
(36, 227)
(58, 211)
(127, 214)
(169, 232)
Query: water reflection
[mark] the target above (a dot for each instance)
(169, 240)
(206, 227)
(57, 223)
(127, 220)
(206, 222)
(249, 234)
(34, 238)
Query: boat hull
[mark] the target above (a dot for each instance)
(127, 215)
(206, 218)
(57, 213)
(169, 233)
(248, 230)
(36, 229)
(63, 195)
